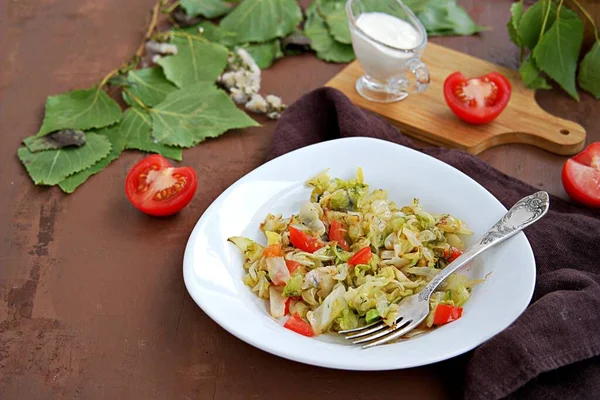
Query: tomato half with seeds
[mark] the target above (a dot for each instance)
(477, 100)
(581, 176)
(157, 188)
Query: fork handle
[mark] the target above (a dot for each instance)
(524, 213)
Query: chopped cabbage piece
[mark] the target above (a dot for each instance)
(328, 311)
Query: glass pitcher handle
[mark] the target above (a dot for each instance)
(420, 76)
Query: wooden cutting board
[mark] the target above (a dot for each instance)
(427, 117)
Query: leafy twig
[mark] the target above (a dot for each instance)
(108, 76)
(558, 9)
(132, 63)
(168, 10)
(172, 20)
(170, 34)
(136, 99)
(545, 19)
(589, 18)
(153, 22)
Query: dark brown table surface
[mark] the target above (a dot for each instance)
(92, 300)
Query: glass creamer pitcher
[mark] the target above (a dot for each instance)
(388, 40)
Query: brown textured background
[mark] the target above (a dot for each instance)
(92, 301)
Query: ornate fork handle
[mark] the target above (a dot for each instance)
(524, 213)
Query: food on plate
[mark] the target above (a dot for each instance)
(445, 313)
(581, 176)
(157, 188)
(477, 100)
(350, 255)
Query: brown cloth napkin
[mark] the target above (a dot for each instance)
(552, 350)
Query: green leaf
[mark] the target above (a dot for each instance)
(321, 41)
(334, 14)
(207, 8)
(149, 85)
(79, 109)
(589, 71)
(417, 6)
(113, 134)
(516, 13)
(135, 129)
(446, 18)
(531, 24)
(558, 50)
(263, 20)
(440, 17)
(311, 9)
(442, 32)
(197, 60)
(211, 32)
(56, 140)
(52, 166)
(435, 19)
(190, 115)
(463, 24)
(532, 76)
(265, 53)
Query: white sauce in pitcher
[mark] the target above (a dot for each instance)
(378, 61)
(390, 30)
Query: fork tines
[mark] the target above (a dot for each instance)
(378, 332)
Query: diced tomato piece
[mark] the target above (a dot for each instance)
(337, 234)
(363, 256)
(445, 313)
(287, 306)
(303, 241)
(292, 265)
(273, 250)
(452, 254)
(298, 325)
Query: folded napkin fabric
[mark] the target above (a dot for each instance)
(553, 349)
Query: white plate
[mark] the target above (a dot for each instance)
(212, 267)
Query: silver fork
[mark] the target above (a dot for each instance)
(414, 309)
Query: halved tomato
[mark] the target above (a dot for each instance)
(581, 176)
(157, 188)
(477, 100)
